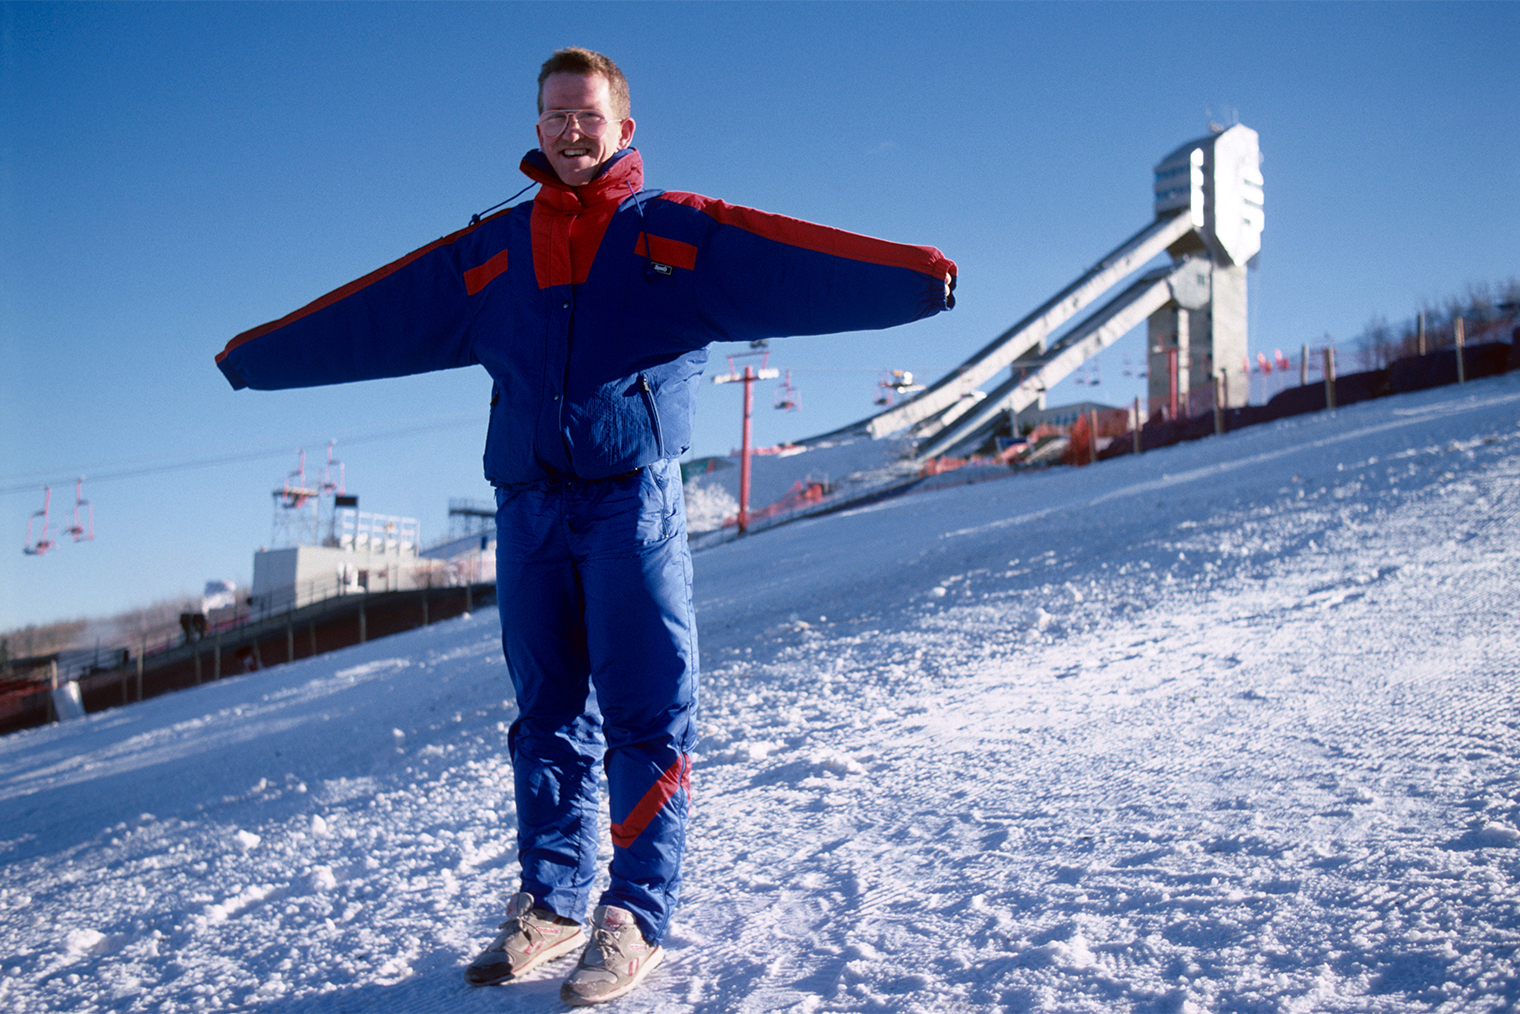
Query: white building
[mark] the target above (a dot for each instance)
(366, 553)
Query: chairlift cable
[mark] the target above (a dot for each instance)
(132, 470)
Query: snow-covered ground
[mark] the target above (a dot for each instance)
(1230, 726)
(848, 464)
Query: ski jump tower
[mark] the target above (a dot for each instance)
(1208, 219)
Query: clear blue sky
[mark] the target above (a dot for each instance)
(173, 174)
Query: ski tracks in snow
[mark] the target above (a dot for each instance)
(1159, 736)
(1264, 763)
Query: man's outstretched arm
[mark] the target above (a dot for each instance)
(410, 316)
(761, 275)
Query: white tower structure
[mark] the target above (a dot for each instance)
(1201, 333)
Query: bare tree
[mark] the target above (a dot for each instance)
(43, 639)
(1509, 293)
(1375, 345)
(1480, 303)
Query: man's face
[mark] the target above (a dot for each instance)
(575, 157)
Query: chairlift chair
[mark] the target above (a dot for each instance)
(328, 483)
(893, 383)
(788, 398)
(297, 495)
(43, 543)
(81, 533)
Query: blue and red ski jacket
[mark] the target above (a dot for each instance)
(591, 308)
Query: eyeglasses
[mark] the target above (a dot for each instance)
(588, 121)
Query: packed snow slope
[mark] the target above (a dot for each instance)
(1226, 727)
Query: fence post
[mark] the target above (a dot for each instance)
(1138, 423)
(1220, 387)
(362, 632)
(52, 689)
(1303, 367)
(290, 637)
(1421, 340)
(1459, 331)
(216, 658)
(1329, 377)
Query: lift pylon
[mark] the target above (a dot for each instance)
(748, 379)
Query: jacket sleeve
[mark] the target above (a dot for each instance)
(760, 275)
(410, 316)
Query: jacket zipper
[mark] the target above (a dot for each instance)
(654, 413)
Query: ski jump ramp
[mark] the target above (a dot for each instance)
(1208, 219)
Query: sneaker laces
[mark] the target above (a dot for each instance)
(508, 930)
(513, 926)
(607, 942)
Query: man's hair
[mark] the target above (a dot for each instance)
(575, 60)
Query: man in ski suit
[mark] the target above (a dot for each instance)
(591, 306)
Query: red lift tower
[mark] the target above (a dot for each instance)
(747, 378)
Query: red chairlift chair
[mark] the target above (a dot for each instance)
(43, 543)
(788, 398)
(297, 494)
(82, 533)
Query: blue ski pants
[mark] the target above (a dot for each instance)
(594, 586)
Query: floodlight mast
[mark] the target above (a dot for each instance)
(747, 378)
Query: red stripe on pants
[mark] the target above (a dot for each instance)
(675, 778)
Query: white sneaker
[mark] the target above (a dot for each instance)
(615, 961)
(529, 937)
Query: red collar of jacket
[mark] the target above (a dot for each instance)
(621, 176)
(568, 222)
